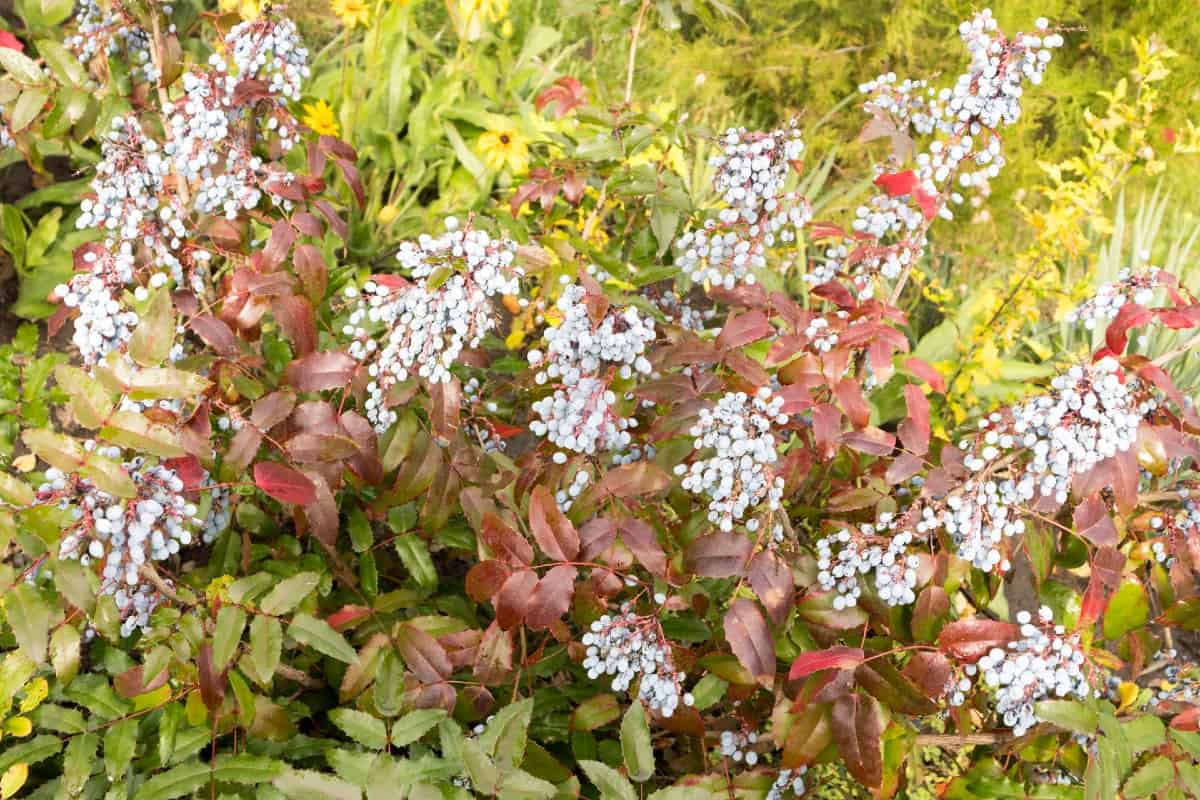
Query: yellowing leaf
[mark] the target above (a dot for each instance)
(13, 779)
(35, 692)
(1128, 692)
(18, 726)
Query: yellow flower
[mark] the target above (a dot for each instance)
(351, 12)
(246, 9)
(504, 148)
(319, 118)
(471, 15)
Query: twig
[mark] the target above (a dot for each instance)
(959, 740)
(633, 45)
(297, 676)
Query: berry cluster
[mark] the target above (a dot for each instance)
(628, 647)
(750, 172)
(420, 328)
(128, 186)
(1046, 663)
(788, 780)
(1129, 287)
(964, 121)
(103, 325)
(881, 548)
(736, 745)
(107, 30)
(583, 356)
(123, 535)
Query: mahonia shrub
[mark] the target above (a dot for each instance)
(305, 527)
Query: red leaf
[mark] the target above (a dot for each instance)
(858, 731)
(216, 334)
(928, 203)
(1094, 523)
(422, 654)
(596, 536)
(1105, 578)
(750, 639)
(850, 398)
(1188, 720)
(640, 538)
(10, 42)
(552, 531)
(295, 317)
(971, 639)
(346, 616)
(506, 543)
(189, 470)
(512, 602)
(272, 409)
(771, 579)
(904, 467)
(898, 183)
(330, 369)
(827, 428)
(834, 658)
(826, 230)
(565, 95)
(212, 682)
(929, 672)
(836, 293)
(871, 440)
(445, 408)
(719, 555)
(915, 435)
(284, 483)
(638, 478)
(494, 655)
(551, 597)
(132, 682)
(743, 329)
(312, 270)
(279, 244)
(322, 513)
(926, 372)
(1131, 315)
(485, 579)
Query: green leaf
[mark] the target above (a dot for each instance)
(37, 749)
(1144, 733)
(15, 491)
(131, 429)
(612, 784)
(1069, 714)
(415, 724)
(29, 105)
(1129, 609)
(361, 727)
(29, 617)
(266, 645)
(64, 653)
(179, 781)
(108, 475)
(505, 736)
(64, 64)
(307, 785)
(595, 712)
(166, 383)
(120, 742)
(21, 67)
(231, 623)
(520, 785)
(317, 634)
(155, 332)
(401, 441)
(414, 554)
(361, 535)
(247, 706)
(480, 769)
(90, 402)
(78, 763)
(60, 719)
(1155, 774)
(635, 743)
(76, 583)
(288, 593)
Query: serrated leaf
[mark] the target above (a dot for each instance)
(415, 724)
(21, 67)
(231, 623)
(316, 633)
(612, 784)
(266, 645)
(289, 592)
(635, 743)
(307, 785)
(28, 106)
(37, 749)
(361, 727)
(90, 402)
(166, 383)
(133, 430)
(109, 476)
(64, 653)
(505, 736)
(29, 617)
(1152, 776)
(120, 742)
(78, 763)
(1069, 714)
(414, 554)
(155, 332)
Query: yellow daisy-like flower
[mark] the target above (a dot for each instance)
(246, 9)
(351, 12)
(470, 16)
(319, 118)
(504, 148)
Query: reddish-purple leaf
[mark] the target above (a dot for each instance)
(132, 682)
(827, 428)
(923, 370)
(215, 333)
(551, 529)
(551, 597)
(494, 656)
(838, 657)
(771, 579)
(322, 512)
(596, 536)
(316, 372)
(640, 538)
(744, 328)
(1105, 578)
(284, 483)
(312, 270)
(858, 731)
(485, 579)
(870, 440)
(506, 543)
(929, 672)
(904, 467)
(915, 434)
(295, 317)
(1094, 523)
(514, 597)
(279, 244)
(750, 639)
(719, 555)
(422, 654)
(970, 639)
(566, 94)
(445, 401)
(850, 397)
(1131, 315)
(632, 480)
(272, 409)
(212, 680)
